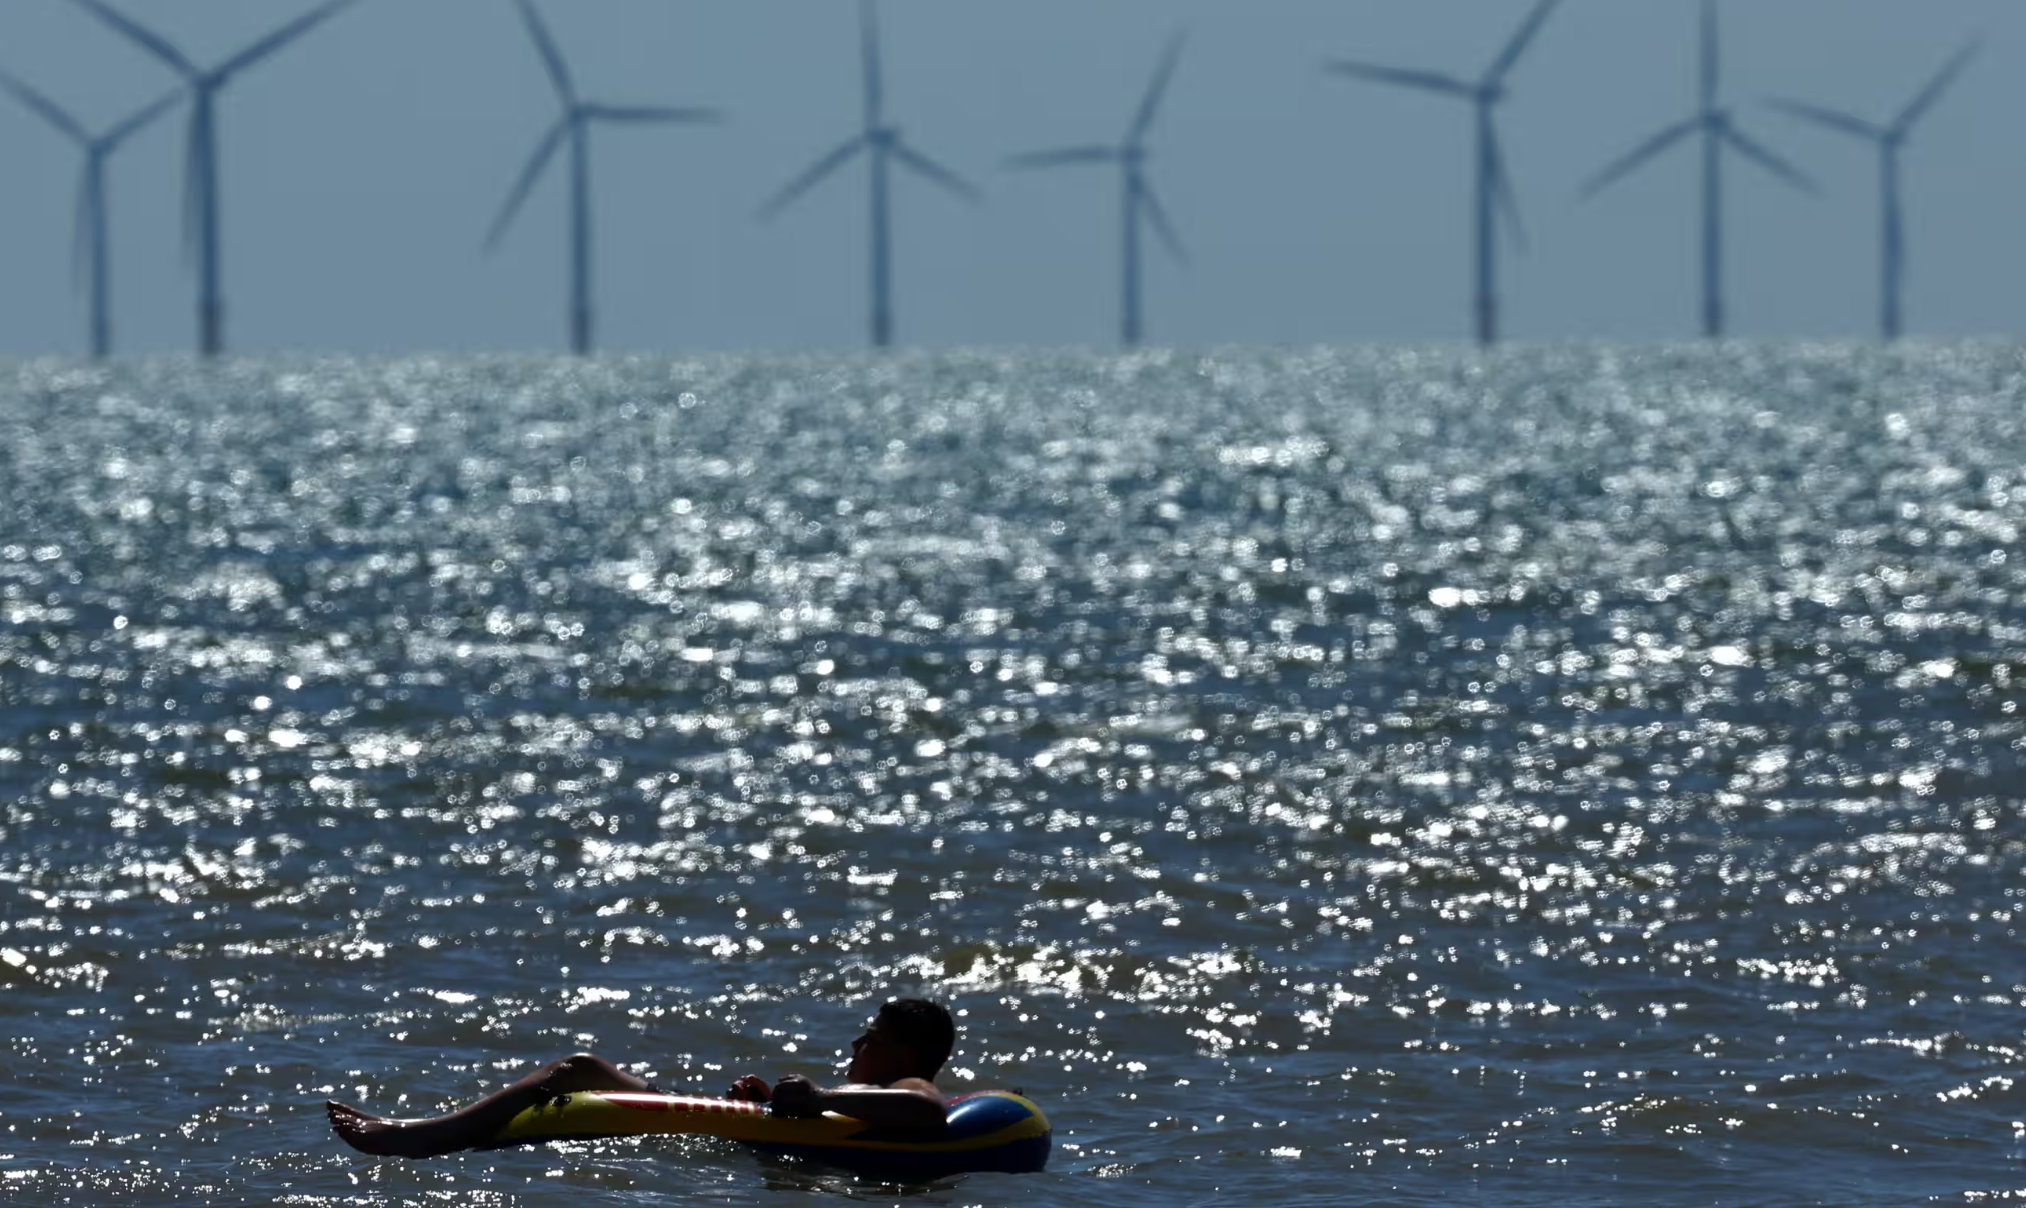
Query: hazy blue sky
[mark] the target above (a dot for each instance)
(361, 167)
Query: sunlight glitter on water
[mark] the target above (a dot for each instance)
(1563, 775)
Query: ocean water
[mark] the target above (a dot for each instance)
(1577, 776)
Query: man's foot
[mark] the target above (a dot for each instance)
(373, 1134)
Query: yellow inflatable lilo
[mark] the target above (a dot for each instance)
(986, 1131)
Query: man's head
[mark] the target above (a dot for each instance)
(909, 1038)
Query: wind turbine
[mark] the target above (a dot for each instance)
(1718, 132)
(89, 250)
(1889, 139)
(201, 171)
(883, 145)
(1138, 197)
(575, 125)
(1494, 184)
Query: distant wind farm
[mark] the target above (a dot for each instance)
(1516, 35)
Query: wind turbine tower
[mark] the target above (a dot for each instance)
(1719, 132)
(1889, 139)
(1137, 199)
(883, 145)
(1494, 182)
(201, 180)
(574, 126)
(89, 245)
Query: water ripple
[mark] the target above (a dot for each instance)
(1561, 775)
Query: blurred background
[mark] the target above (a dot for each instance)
(361, 168)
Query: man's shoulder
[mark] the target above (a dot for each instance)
(915, 1084)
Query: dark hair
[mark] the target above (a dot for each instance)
(924, 1027)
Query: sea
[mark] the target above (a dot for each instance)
(1560, 775)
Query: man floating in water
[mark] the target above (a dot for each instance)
(890, 1081)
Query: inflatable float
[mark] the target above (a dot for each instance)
(986, 1131)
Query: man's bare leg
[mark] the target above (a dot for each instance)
(479, 1122)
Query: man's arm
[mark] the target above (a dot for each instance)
(908, 1103)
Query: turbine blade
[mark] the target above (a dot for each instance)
(544, 151)
(1431, 81)
(150, 41)
(552, 58)
(280, 38)
(1759, 155)
(936, 172)
(811, 178)
(1933, 92)
(1637, 156)
(1157, 88)
(1157, 215)
(137, 122)
(1503, 195)
(44, 107)
(650, 113)
(1834, 119)
(875, 78)
(1711, 52)
(1517, 47)
(1063, 156)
